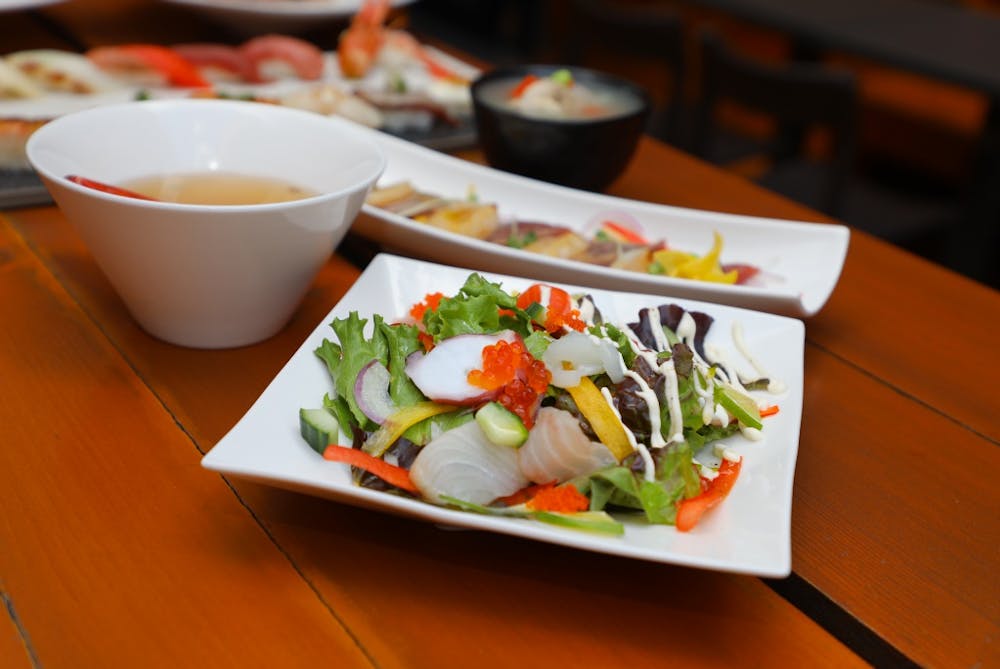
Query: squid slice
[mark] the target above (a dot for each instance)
(462, 463)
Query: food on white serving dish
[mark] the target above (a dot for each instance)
(401, 89)
(532, 405)
(614, 239)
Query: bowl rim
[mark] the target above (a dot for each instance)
(40, 135)
(545, 69)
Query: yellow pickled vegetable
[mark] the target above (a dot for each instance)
(607, 426)
(690, 266)
(399, 422)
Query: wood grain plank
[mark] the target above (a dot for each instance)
(894, 519)
(417, 596)
(118, 549)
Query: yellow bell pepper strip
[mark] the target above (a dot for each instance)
(690, 511)
(607, 426)
(392, 474)
(399, 422)
(689, 266)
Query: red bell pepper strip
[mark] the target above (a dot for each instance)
(392, 474)
(108, 188)
(624, 233)
(769, 411)
(690, 511)
(743, 272)
(522, 86)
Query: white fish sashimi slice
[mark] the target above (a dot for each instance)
(464, 464)
(558, 450)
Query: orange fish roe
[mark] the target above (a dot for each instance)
(431, 301)
(520, 378)
(524, 494)
(563, 499)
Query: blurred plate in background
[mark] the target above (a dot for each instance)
(253, 17)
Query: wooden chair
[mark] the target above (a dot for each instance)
(797, 97)
(804, 94)
(648, 34)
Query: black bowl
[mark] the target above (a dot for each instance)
(580, 153)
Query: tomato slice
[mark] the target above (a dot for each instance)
(558, 305)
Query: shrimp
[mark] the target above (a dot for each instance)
(360, 43)
(368, 40)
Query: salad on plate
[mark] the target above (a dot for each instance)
(532, 405)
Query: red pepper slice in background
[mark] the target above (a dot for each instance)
(690, 511)
(623, 233)
(523, 85)
(108, 188)
(743, 272)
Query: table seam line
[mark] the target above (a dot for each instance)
(903, 393)
(22, 631)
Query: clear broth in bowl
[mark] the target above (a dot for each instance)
(218, 188)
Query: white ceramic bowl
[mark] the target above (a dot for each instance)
(198, 275)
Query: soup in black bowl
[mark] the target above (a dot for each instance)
(571, 126)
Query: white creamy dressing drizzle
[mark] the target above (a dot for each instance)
(544, 295)
(652, 406)
(726, 453)
(671, 392)
(712, 412)
(659, 336)
(647, 459)
(725, 368)
(586, 307)
(774, 385)
(707, 473)
(673, 396)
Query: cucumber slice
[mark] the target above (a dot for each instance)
(319, 428)
(742, 407)
(501, 426)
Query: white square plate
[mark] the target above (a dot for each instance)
(748, 533)
(802, 261)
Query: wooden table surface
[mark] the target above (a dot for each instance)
(118, 550)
